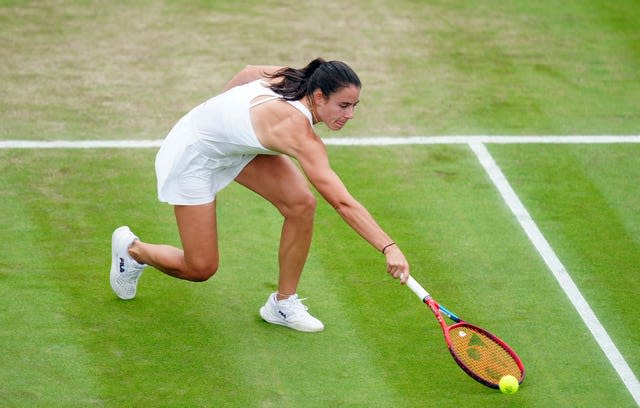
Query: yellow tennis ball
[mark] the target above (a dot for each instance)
(509, 384)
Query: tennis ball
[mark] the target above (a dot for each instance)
(509, 384)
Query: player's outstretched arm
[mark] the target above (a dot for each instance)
(315, 163)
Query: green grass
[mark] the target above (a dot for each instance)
(190, 344)
(127, 70)
(88, 69)
(587, 207)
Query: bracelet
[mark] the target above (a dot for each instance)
(386, 246)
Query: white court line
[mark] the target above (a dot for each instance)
(78, 144)
(558, 270)
(347, 141)
(429, 140)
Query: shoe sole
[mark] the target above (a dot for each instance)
(115, 261)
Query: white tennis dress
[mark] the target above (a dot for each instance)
(211, 145)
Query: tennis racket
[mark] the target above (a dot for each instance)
(483, 356)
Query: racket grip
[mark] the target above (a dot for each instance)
(418, 289)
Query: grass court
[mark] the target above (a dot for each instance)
(126, 71)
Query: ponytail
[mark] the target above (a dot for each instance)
(318, 74)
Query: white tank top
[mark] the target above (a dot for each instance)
(222, 126)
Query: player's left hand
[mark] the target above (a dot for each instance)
(397, 264)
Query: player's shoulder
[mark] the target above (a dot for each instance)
(293, 111)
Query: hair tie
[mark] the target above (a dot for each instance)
(386, 246)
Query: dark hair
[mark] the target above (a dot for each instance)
(328, 76)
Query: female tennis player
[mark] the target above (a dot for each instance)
(249, 133)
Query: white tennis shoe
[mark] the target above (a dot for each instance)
(290, 313)
(125, 271)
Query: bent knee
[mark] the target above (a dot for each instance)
(303, 205)
(202, 272)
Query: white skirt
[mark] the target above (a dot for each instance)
(186, 176)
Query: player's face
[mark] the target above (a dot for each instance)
(337, 109)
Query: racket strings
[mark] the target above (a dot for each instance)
(480, 354)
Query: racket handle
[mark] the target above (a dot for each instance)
(418, 289)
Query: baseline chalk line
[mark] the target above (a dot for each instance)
(341, 141)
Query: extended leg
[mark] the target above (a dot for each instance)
(278, 180)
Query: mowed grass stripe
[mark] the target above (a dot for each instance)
(178, 331)
(45, 361)
(469, 250)
(165, 343)
(451, 223)
(587, 204)
(326, 369)
(401, 330)
(350, 370)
